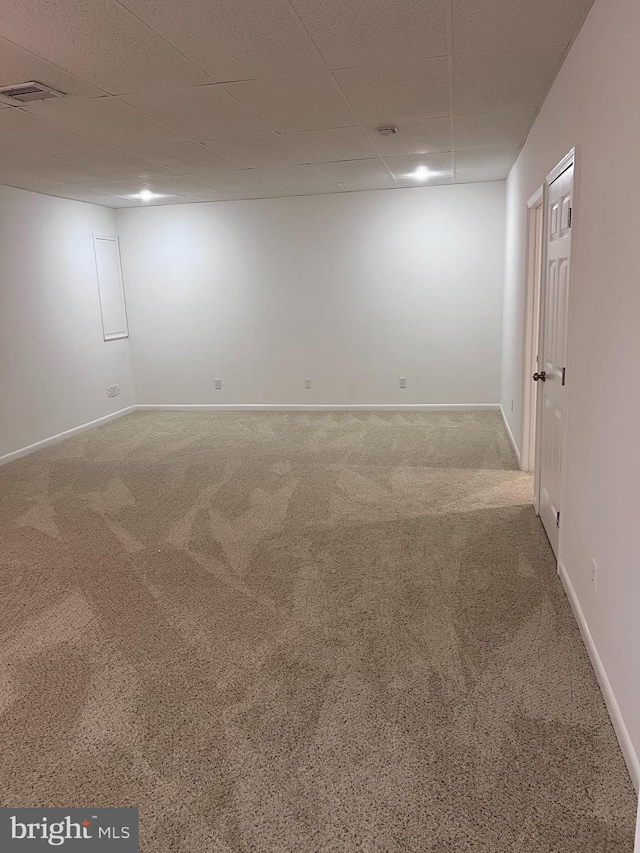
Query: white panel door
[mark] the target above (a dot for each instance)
(552, 354)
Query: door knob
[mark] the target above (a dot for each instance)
(542, 376)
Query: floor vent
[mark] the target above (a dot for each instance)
(24, 93)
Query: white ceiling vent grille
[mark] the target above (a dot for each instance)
(24, 93)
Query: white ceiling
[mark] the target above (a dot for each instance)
(207, 100)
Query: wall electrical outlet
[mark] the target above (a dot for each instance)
(113, 390)
(594, 574)
(307, 383)
(403, 381)
(217, 384)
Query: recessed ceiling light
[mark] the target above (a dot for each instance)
(147, 195)
(421, 173)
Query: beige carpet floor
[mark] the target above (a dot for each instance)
(279, 632)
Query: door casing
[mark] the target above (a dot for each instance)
(535, 266)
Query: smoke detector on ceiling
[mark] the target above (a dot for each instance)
(24, 93)
(387, 130)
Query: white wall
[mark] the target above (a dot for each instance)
(352, 291)
(594, 105)
(54, 365)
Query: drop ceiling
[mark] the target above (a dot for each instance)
(209, 100)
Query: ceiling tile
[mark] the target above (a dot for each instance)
(338, 143)
(306, 178)
(495, 24)
(109, 120)
(209, 175)
(281, 192)
(12, 153)
(505, 79)
(11, 177)
(256, 151)
(101, 42)
(115, 163)
(486, 130)
(22, 132)
(56, 170)
(311, 102)
(353, 175)
(245, 182)
(390, 94)
(484, 164)
(421, 136)
(352, 32)
(188, 158)
(217, 195)
(234, 40)
(18, 65)
(402, 168)
(201, 112)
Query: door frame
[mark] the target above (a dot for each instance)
(570, 159)
(536, 207)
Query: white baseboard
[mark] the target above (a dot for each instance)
(321, 407)
(511, 438)
(626, 746)
(54, 439)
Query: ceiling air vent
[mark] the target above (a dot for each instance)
(24, 93)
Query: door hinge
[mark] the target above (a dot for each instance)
(558, 519)
(564, 375)
(570, 217)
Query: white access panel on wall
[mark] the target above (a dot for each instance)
(110, 287)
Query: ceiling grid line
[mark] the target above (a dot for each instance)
(450, 62)
(129, 11)
(346, 100)
(49, 62)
